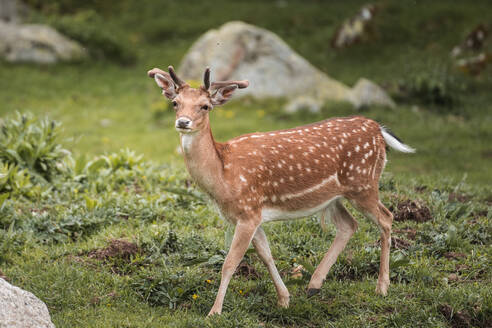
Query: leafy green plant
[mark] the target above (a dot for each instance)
(33, 145)
(437, 87)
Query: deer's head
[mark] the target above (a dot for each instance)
(192, 105)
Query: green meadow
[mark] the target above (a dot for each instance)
(100, 220)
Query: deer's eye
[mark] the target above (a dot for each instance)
(175, 103)
(205, 107)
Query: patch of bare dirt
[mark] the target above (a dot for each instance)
(457, 319)
(454, 255)
(117, 248)
(457, 197)
(247, 270)
(412, 210)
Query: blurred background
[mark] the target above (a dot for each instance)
(431, 59)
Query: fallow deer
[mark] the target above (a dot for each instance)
(266, 176)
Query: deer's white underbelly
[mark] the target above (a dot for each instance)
(273, 214)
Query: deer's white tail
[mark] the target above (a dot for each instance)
(393, 141)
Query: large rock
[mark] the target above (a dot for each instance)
(21, 309)
(241, 51)
(37, 43)
(12, 10)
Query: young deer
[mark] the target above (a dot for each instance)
(285, 174)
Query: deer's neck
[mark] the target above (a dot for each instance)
(203, 161)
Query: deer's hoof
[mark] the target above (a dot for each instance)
(312, 291)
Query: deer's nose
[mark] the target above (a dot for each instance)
(183, 123)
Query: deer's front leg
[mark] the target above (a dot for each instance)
(242, 238)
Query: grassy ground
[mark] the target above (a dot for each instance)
(67, 257)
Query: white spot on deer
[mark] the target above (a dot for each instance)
(359, 139)
(364, 129)
(227, 166)
(272, 134)
(374, 141)
(243, 179)
(351, 166)
(279, 165)
(357, 169)
(282, 180)
(291, 156)
(306, 130)
(256, 136)
(349, 153)
(275, 183)
(242, 138)
(363, 161)
(316, 161)
(364, 171)
(366, 145)
(344, 164)
(357, 148)
(291, 168)
(299, 166)
(351, 178)
(274, 198)
(283, 198)
(342, 140)
(334, 138)
(291, 178)
(308, 169)
(305, 154)
(299, 147)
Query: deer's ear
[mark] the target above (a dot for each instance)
(222, 95)
(167, 85)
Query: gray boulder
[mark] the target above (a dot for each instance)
(21, 309)
(241, 51)
(12, 11)
(366, 93)
(37, 43)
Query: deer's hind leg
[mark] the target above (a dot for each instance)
(346, 225)
(372, 208)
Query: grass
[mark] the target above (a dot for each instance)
(172, 279)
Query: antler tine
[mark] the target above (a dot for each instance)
(175, 78)
(206, 78)
(241, 84)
